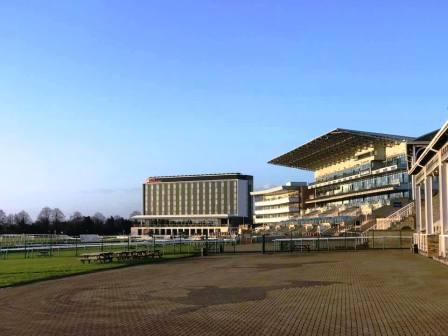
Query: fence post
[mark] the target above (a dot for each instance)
(373, 238)
(400, 239)
(290, 242)
(206, 242)
(25, 249)
(345, 236)
(76, 247)
(263, 245)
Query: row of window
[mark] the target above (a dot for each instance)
(400, 161)
(371, 199)
(364, 184)
(202, 197)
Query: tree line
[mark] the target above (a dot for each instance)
(54, 221)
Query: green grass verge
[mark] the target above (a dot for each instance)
(17, 270)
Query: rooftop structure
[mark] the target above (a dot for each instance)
(352, 167)
(336, 145)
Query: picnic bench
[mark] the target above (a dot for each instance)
(121, 256)
(135, 255)
(101, 257)
(155, 253)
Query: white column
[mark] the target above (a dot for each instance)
(443, 192)
(428, 205)
(418, 208)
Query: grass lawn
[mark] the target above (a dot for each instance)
(18, 270)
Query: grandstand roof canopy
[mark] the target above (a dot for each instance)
(333, 146)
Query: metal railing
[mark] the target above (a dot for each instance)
(397, 216)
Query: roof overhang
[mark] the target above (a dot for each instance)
(278, 189)
(333, 146)
(182, 216)
(431, 149)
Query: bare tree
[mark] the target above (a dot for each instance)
(2, 217)
(44, 215)
(99, 217)
(76, 216)
(134, 213)
(10, 219)
(23, 218)
(57, 216)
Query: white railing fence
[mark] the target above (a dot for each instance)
(421, 240)
(443, 245)
(397, 216)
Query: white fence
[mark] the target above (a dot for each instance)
(421, 241)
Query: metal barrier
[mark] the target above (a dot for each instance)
(46, 246)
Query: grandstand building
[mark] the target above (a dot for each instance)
(428, 167)
(279, 204)
(195, 204)
(352, 168)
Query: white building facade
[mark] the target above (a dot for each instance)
(195, 204)
(279, 204)
(428, 167)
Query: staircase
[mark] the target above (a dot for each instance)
(398, 216)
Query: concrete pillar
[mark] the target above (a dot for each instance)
(443, 192)
(428, 205)
(418, 208)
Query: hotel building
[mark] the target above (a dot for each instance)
(352, 168)
(195, 204)
(279, 204)
(428, 167)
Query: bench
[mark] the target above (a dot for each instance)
(83, 259)
(155, 253)
(102, 257)
(106, 257)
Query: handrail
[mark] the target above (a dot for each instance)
(405, 211)
(396, 216)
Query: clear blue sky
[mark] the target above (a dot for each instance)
(97, 95)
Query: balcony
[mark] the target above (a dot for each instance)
(277, 201)
(276, 210)
(267, 220)
(339, 195)
(354, 177)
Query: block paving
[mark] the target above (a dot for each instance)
(337, 293)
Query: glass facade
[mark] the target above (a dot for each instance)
(367, 167)
(378, 183)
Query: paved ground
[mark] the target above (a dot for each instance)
(341, 293)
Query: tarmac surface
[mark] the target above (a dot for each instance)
(338, 293)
